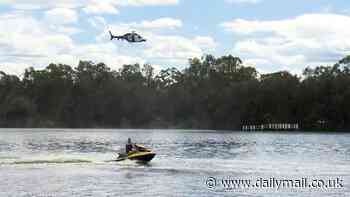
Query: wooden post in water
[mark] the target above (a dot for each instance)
(271, 127)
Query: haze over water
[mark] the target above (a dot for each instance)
(72, 162)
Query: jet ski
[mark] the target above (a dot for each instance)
(140, 154)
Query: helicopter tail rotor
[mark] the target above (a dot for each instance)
(110, 33)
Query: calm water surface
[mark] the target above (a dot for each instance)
(67, 162)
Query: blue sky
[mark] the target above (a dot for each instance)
(271, 35)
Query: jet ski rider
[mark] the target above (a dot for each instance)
(129, 146)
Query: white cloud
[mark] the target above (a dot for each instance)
(37, 40)
(26, 7)
(309, 39)
(61, 16)
(13, 68)
(172, 48)
(205, 42)
(89, 6)
(106, 53)
(42, 4)
(104, 6)
(244, 1)
(165, 23)
(98, 22)
(60, 20)
(67, 30)
(27, 41)
(169, 23)
(152, 2)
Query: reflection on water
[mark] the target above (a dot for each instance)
(78, 162)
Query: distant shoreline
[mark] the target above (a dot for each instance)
(179, 129)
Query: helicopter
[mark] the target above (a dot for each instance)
(130, 37)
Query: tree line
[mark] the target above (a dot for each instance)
(211, 93)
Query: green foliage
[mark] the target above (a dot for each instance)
(212, 93)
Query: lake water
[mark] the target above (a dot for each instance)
(67, 162)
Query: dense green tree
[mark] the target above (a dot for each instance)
(212, 93)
